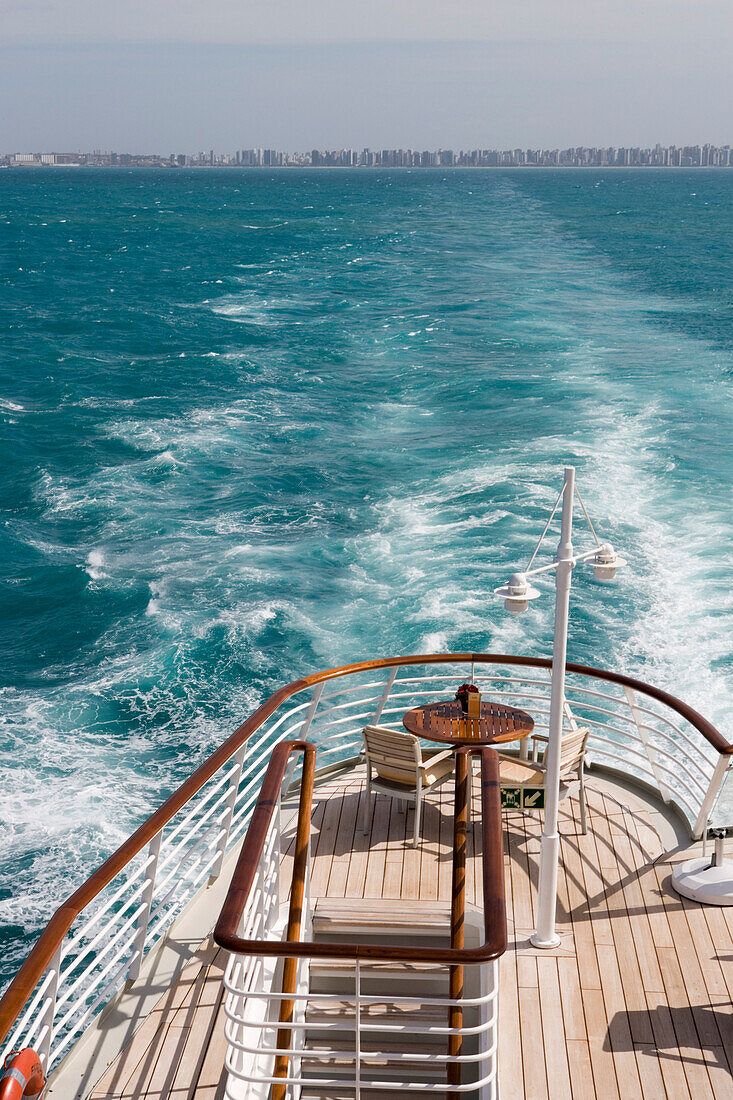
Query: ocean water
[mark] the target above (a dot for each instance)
(255, 424)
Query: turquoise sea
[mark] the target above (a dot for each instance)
(258, 423)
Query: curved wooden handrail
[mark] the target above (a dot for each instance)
(494, 945)
(40, 956)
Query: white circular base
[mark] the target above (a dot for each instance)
(537, 942)
(696, 879)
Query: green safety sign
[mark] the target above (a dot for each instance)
(534, 798)
(523, 798)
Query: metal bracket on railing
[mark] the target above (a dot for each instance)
(45, 1033)
(716, 780)
(646, 742)
(138, 946)
(238, 761)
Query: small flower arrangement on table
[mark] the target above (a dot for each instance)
(469, 696)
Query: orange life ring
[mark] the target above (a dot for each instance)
(22, 1075)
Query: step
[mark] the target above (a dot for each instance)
(336, 1059)
(373, 1092)
(325, 1010)
(388, 979)
(340, 1017)
(385, 918)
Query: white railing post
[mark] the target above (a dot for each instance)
(226, 825)
(646, 742)
(384, 697)
(48, 1011)
(138, 946)
(273, 875)
(721, 768)
(262, 888)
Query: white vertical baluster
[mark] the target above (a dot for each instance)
(274, 867)
(721, 768)
(262, 890)
(309, 714)
(138, 946)
(384, 697)
(237, 761)
(48, 1010)
(646, 742)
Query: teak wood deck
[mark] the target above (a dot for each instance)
(635, 1003)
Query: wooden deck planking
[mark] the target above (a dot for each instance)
(635, 1004)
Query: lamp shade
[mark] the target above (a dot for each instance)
(605, 563)
(517, 593)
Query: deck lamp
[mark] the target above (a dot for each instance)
(605, 563)
(517, 593)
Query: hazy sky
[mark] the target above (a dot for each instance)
(183, 75)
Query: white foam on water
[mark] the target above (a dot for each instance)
(437, 642)
(94, 565)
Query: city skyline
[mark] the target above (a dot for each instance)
(701, 155)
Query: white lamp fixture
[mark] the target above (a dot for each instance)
(605, 563)
(517, 593)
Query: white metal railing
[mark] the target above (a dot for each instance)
(105, 945)
(376, 1053)
(373, 1058)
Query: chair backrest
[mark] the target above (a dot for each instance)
(393, 754)
(572, 749)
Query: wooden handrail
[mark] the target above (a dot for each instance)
(494, 945)
(495, 930)
(42, 953)
(293, 947)
(249, 857)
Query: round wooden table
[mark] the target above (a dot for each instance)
(446, 722)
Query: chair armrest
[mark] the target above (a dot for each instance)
(534, 739)
(436, 758)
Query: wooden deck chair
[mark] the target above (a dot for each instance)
(401, 769)
(514, 772)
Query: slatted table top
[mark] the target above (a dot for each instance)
(447, 723)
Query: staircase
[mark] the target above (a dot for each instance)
(413, 1056)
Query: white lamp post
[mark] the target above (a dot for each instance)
(516, 595)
